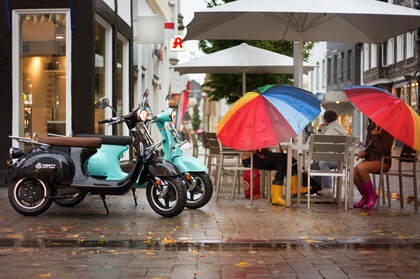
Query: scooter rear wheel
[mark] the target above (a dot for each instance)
(170, 202)
(74, 200)
(201, 194)
(29, 196)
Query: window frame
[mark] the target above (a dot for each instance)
(108, 66)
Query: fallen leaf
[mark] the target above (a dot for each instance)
(45, 275)
(15, 236)
(312, 241)
(242, 264)
(364, 213)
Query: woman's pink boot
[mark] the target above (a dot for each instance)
(371, 194)
(364, 199)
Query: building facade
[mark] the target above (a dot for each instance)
(343, 69)
(58, 57)
(395, 66)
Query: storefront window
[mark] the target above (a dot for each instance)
(414, 94)
(42, 74)
(100, 73)
(121, 90)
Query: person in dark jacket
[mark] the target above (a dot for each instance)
(378, 144)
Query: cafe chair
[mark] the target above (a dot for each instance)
(407, 156)
(330, 148)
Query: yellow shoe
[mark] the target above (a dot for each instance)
(277, 195)
(303, 190)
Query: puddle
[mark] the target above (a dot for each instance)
(213, 245)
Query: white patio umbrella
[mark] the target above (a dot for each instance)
(368, 21)
(242, 59)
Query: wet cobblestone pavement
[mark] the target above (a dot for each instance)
(286, 262)
(225, 239)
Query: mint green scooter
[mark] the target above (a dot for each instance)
(199, 185)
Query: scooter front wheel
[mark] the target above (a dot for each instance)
(72, 201)
(169, 198)
(29, 196)
(199, 194)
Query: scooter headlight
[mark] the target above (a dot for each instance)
(173, 115)
(142, 115)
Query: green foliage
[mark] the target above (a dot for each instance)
(229, 86)
(195, 119)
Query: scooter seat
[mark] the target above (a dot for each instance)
(113, 140)
(72, 141)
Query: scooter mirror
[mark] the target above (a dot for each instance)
(103, 102)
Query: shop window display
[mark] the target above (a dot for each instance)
(42, 79)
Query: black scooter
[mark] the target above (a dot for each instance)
(55, 170)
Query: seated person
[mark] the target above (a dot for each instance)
(379, 143)
(267, 160)
(329, 127)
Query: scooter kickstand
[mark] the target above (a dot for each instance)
(106, 207)
(134, 196)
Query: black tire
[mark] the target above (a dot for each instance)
(204, 189)
(74, 200)
(29, 196)
(176, 194)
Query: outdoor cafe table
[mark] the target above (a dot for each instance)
(305, 148)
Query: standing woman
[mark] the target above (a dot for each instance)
(378, 144)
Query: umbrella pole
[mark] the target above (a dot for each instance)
(243, 83)
(298, 82)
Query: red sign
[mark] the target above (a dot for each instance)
(177, 44)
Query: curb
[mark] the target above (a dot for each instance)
(212, 245)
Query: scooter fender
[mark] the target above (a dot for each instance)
(189, 164)
(160, 167)
(46, 164)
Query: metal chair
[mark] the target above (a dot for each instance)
(330, 148)
(407, 156)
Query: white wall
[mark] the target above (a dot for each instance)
(124, 10)
(317, 54)
(144, 57)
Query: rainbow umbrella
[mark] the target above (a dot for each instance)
(388, 111)
(266, 117)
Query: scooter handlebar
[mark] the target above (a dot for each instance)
(112, 120)
(105, 121)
